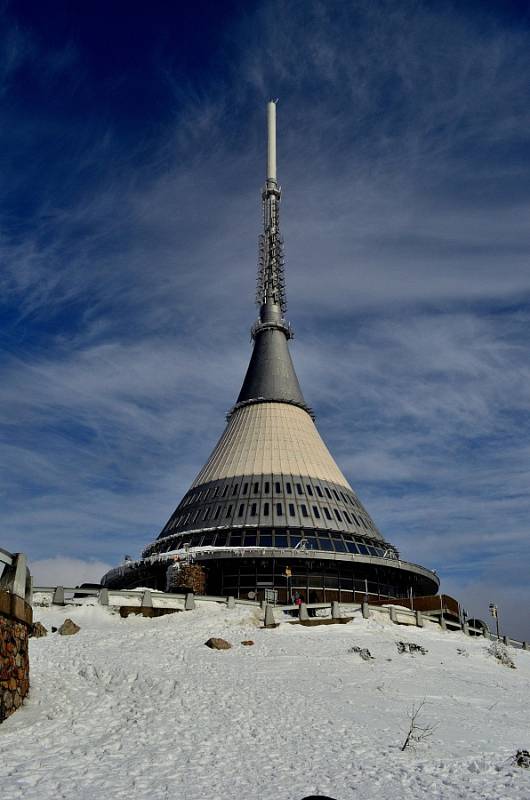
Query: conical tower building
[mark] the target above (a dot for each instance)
(271, 515)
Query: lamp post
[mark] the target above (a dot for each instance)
(494, 611)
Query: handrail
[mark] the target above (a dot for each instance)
(15, 577)
(146, 597)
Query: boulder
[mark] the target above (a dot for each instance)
(218, 644)
(68, 628)
(37, 630)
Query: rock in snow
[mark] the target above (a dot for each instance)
(68, 628)
(38, 630)
(218, 644)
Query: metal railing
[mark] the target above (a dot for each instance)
(15, 577)
(145, 598)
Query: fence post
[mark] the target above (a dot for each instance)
(189, 603)
(147, 600)
(303, 615)
(365, 610)
(103, 598)
(335, 609)
(393, 614)
(443, 626)
(231, 602)
(269, 617)
(419, 619)
(19, 578)
(58, 596)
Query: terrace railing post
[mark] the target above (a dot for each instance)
(231, 602)
(419, 619)
(303, 615)
(505, 640)
(19, 577)
(393, 614)
(147, 600)
(103, 598)
(443, 624)
(189, 603)
(58, 596)
(269, 621)
(365, 609)
(335, 609)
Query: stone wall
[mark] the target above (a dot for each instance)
(15, 626)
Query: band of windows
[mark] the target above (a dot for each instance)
(311, 540)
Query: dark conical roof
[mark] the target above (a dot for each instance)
(270, 374)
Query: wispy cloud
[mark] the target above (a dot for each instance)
(128, 271)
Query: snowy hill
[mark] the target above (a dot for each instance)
(140, 709)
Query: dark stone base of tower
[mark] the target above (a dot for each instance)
(271, 515)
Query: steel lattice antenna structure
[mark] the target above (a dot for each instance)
(271, 511)
(271, 280)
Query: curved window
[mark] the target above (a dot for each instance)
(221, 539)
(340, 547)
(325, 542)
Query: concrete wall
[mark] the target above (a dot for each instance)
(15, 626)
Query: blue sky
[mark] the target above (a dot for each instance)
(132, 155)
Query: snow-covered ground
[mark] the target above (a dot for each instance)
(141, 709)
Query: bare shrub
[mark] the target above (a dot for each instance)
(418, 731)
(500, 652)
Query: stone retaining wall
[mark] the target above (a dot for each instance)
(15, 625)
